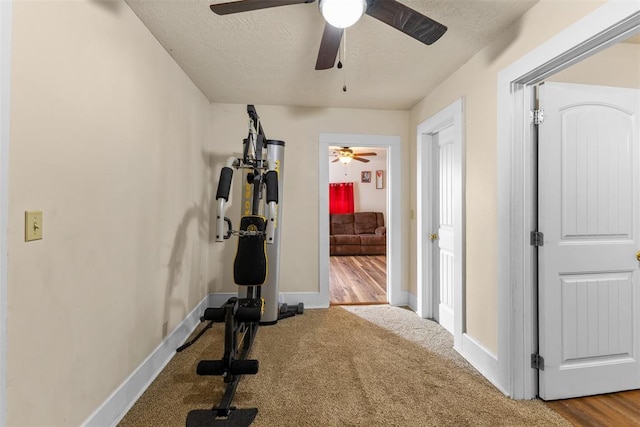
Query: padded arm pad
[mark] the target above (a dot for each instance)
(271, 178)
(224, 185)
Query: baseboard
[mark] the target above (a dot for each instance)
(413, 301)
(317, 300)
(309, 299)
(482, 359)
(116, 406)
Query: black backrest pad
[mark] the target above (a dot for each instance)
(250, 265)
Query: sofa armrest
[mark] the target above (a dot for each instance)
(381, 231)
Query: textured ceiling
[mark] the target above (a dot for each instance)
(268, 56)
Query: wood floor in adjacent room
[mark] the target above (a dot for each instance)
(358, 279)
(615, 409)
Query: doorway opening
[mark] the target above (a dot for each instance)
(357, 225)
(517, 197)
(394, 189)
(588, 207)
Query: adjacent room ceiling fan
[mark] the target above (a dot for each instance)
(341, 14)
(346, 154)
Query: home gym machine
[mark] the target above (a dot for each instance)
(257, 253)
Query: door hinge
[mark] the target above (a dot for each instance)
(537, 116)
(537, 238)
(537, 361)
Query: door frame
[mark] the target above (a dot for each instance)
(449, 116)
(517, 334)
(395, 295)
(6, 19)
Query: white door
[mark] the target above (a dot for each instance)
(443, 237)
(589, 213)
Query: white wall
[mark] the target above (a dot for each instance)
(367, 198)
(107, 138)
(300, 128)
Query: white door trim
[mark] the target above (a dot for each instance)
(394, 190)
(449, 116)
(6, 17)
(608, 24)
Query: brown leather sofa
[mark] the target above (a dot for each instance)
(359, 233)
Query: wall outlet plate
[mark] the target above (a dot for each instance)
(32, 225)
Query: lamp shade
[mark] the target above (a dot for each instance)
(345, 159)
(342, 13)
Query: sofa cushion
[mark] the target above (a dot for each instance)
(341, 224)
(347, 250)
(372, 240)
(365, 222)
(346, 239)
(373, 250)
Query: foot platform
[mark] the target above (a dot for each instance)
(212, 417)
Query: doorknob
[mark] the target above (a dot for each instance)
(638, 256)
(433, 237)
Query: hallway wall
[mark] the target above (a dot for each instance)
(107, 138)
(476, 82)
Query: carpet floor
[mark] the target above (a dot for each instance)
(354, 366)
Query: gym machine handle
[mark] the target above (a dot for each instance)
(229, 230)
(221, 234)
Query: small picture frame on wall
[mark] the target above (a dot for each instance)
(379, 180)
(365, 176)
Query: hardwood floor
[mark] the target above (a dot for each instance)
(615, 409)
(358, 279)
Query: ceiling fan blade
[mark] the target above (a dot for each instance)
(248, 5)
(361, 160)
(366, 154)
(329, 47)
(336, 160)
(407, 20)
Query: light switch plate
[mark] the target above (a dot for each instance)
(32, 225)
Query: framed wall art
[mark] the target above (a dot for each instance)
(379, 179)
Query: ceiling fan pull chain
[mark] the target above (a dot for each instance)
(344, 73)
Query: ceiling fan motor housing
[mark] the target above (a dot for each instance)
(342, 13)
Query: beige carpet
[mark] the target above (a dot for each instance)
(331, 367)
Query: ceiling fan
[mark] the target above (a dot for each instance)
(338, 18)
(346, 154)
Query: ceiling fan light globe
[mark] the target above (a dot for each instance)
(342, 13)
(345, 159)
